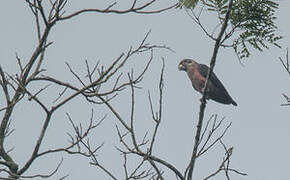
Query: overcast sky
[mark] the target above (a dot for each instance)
(260, 128)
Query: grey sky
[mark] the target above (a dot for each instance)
(261, 128)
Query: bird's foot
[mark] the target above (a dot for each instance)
(202, 100)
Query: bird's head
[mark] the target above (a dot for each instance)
(182, 66)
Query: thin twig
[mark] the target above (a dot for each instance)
(132, 9)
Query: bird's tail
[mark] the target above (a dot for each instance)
(234, 103)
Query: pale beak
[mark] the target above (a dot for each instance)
(180, 67)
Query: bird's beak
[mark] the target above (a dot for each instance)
(181, 67)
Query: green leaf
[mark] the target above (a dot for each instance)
(255, 23)
(189, 4)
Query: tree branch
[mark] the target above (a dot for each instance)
(132, 9)
(203, 100)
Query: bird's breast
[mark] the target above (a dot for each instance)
(197, 80)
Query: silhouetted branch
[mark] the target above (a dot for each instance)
(285, 63)
(203, 100)
(32, 176)
(131, 145)
(207, 145)
(158, 115)
(14, 87)
(88, 151)
(132, 9)
(79, 134)
(287, 100)
(37, 145)
(225, 164)
(196, 19)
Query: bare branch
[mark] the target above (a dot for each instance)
(45, 19)
(37, 146)
(196, 19)
(203, 100)
(287, 100)
(133, 136)
(286, 62)
(224, 166)
(75, 74)
(132, 9)
(286, 65)
(204, 149)
(4, 84)
(14, 175)
(42, 12)
(163, 162)
(158, 116)
(79, 136)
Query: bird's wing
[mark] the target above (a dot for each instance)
(219, 92)
(203, 70)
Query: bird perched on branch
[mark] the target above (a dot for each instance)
(197, 74)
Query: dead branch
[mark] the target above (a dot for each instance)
(13, 176)
(132, 9)
(79, 134)
(207, 145)
(15, 87)
(225, 164)
(131, 146)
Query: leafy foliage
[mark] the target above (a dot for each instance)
(190, 4)
(251, 20)
(255, 20)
